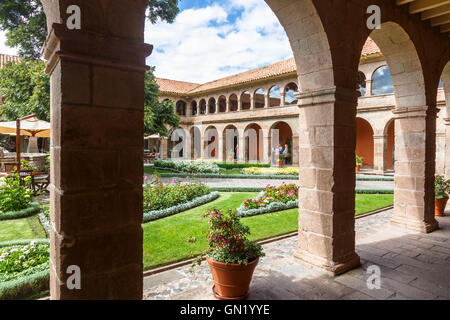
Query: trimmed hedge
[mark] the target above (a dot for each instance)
(271, 207)
(24, 213)
(231, 165)
(251, 189)
(33, 282)
(159, 214)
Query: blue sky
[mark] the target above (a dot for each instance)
(211, 39)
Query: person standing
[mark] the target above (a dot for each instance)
(286, 153)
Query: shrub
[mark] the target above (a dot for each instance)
(441, 187)
(232, 165)
(228, 239)
(159, 196)
(283, 194)
(271, 171)
(16, 259)
(359, 160)
(188, 166)
(13, 195)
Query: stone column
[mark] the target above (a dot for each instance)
(33, 145)
(241, 154)
(368, 88)
(295, 149)
(282, 99)
(97, 107)
(415, 153)
(252, 101)
(240, 103)
(187, 151)
(266, 100)
(380, 153)
(266, 148)
(220, 146)
(447, 148)
(165, 148)
(327, 121)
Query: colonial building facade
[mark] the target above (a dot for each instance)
(264, 99)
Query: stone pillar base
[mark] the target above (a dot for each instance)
(415, 225)
(333, 268)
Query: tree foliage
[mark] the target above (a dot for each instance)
(25, 89)
(25, 26)
(25, 23)
(159, 117)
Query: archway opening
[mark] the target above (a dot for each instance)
(230, 143)
(290, 91)
(259, 99)
(253, 143)
(222, 104)
(234, 103)
(246, 100)
(211, 143)
(212, 105)
(275, 96)
(196, 143)
(364, 141)
(281, 142)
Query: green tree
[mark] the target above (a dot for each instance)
(25, 23)
(25, 89)
(159, 117)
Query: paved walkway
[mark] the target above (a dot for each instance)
(261, 183)
(413, 266)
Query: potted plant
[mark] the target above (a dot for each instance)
(441, 189)
(359, 163)
(232, 258)
(281, 159)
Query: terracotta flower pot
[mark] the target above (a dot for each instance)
(357, 168)
(232, 281)
(439, 207)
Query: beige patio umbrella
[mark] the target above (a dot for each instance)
(26, 126)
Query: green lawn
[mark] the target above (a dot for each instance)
(166, 240)
(27, 228)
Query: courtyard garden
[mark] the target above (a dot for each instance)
(172, 224)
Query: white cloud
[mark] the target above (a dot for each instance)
(202, 45)
(3, 47)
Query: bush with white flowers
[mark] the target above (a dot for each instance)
(188, 166)
(158, 214)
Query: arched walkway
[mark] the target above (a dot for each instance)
(254, 143)
(211, 143)
(281, 137)
(230, 143)
(364, 141)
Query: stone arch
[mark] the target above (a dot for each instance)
(253, 135)
(281, 133)
(234, 102)
(389, 133)
(181, 107)
(259, 97)
(404, 64)
(212, 105)
(196, 142)
(290, 90)
(382, 81)
(194, 108)
(230, 143)
(222, 104)
(246, 100)
(274, 96)
(309, 43)
(202, 106)
(364, 141)
(211, 143)
(445, 80)
(361, 83)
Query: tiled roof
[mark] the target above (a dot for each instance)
(4, 58)
(276, 69)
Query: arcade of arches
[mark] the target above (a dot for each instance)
(97, 72)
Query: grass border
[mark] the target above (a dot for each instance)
(34, 208)
(26, 286)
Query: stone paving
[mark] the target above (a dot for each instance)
(413, 266)
(261, 183)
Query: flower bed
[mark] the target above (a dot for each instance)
(164, 199)
(271, 171)
(14, 196)
(187, 166)
(271, 199)
(159, 214)
(24, 268)
(32, 209)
